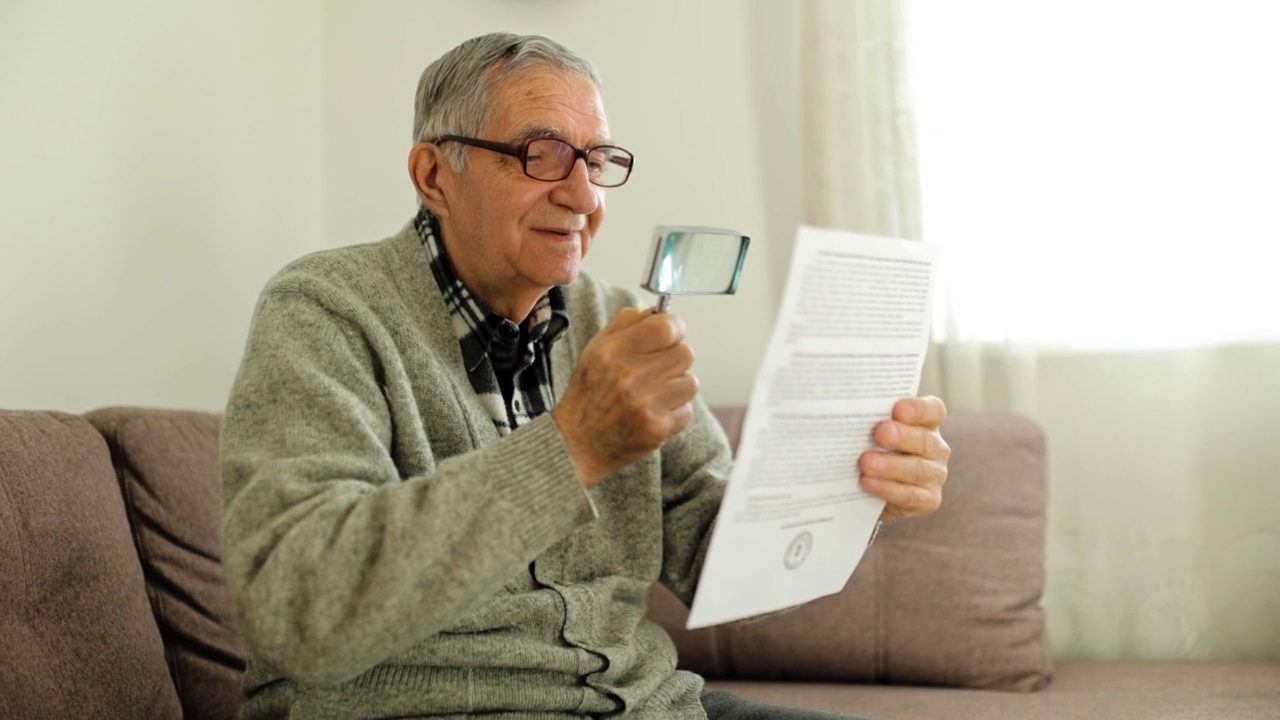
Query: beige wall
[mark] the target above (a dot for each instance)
(158, 161)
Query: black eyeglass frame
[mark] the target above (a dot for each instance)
(522, 152)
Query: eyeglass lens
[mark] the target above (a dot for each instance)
(551, 159)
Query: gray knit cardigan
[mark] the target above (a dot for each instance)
(390, 556)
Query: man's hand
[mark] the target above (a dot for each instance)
(629, 393)
(910, 478)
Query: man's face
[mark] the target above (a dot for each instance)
(512, 237)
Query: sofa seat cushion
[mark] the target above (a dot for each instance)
(1130, 689)
(167, 465)
(77, 638)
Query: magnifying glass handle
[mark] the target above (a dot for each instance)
(663, 301)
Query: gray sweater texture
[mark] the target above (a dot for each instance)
(390, 556)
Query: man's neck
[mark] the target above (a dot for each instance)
(514, 306)
(513, 301)
(519, 310)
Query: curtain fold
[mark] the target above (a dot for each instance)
(858, 125)
(859, 149)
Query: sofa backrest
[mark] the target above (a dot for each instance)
(166, 462)
(77, 637)
(114, 603)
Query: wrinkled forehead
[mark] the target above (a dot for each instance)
(548, 102)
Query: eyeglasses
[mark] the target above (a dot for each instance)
(552, 160)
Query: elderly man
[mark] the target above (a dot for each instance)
(453, 464)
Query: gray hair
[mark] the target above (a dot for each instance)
(453, 92)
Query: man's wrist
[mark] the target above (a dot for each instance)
(589, 474)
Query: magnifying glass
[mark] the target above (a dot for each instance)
(690, 260)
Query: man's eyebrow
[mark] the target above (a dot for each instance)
(550, 131)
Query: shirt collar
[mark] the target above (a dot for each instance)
(482, 332)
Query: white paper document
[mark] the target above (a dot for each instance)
(848, 343)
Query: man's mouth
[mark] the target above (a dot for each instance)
(562, 233)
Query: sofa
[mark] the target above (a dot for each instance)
(114, 605)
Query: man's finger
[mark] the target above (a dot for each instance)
(674, 361)
(903, 500)
(653, 333)
(906, 469)
(911, 440)
(676, 392)
(625, 318)
(927, 412)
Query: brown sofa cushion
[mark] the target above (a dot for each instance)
(77, 638)
(952, 599)
(167, 465)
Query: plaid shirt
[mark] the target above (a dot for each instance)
(512, 391)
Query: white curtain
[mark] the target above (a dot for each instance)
(1101, 179)
(858, 128)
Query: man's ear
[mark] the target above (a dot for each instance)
(426, 164)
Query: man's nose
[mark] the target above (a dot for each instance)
(576, 191)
